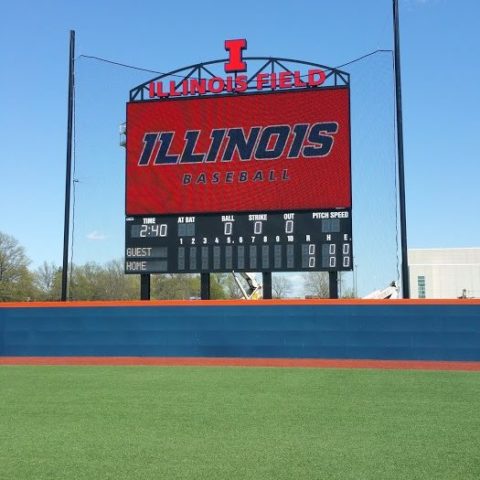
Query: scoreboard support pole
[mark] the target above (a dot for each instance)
(205, 286)
(333, 284)
(267, 284)
(145, 286)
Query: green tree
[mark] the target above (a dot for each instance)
(115, 285)
(217, 288)
(92, 281)
(83, 282)
(16, 281)
(229, 286)
(281, 286)
(184, 286)
(175, 286)
(48, 282)
(316, 284)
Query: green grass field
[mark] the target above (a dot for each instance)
(237, 423)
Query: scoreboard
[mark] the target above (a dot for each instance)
(270, 241)
(239, 182)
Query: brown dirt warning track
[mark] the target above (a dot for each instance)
(244, 362)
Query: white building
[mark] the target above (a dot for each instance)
(444, 272)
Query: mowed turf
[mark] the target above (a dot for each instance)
(237, 423)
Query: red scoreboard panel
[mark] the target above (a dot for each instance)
(281, 151)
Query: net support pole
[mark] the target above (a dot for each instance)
(205, 286)
(333, 284)
(401, 169)
(68, 176)
(267, 285)
(145, 286)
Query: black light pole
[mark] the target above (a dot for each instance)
(68, 177)
(401, 169)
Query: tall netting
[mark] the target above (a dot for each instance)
(98, 233)
(101, 91)
(374, 176)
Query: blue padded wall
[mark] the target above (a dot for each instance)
(369, 331)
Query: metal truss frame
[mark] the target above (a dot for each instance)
(334, 76)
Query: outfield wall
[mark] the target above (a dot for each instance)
(355, 329)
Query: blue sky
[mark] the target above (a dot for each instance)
(440, 62)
